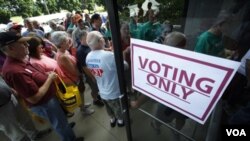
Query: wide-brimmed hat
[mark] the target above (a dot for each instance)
(9, 37)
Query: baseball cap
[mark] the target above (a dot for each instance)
(9, 37)
(13, 25)
(76, 18)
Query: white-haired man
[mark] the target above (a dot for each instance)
(102, 65)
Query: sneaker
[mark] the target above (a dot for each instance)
(87, 105)
(69, 114)
(41, 134)
(80, 139)
(112, 122)
(87, 111)
(99, 103)
(120, 123)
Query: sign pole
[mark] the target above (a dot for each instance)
(112, 9)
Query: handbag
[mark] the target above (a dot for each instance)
(69, 96)
(80, 84)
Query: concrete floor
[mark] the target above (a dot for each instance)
(96, 127)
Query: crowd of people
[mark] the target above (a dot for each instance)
(81, 47)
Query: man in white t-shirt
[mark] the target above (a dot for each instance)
(103, 67)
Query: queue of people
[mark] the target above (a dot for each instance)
(32, 61)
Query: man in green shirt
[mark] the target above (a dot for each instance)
(150, 30)
(210, 42)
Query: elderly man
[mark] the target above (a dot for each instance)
(37, 25)
(31, 29)
(102, 65)
(81, 54)
(32, 84)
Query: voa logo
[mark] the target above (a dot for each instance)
(236, 132)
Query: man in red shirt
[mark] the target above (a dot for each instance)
(32, 84)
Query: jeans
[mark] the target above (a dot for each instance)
(16, 122)
(113, 108)
(53, 112)
(93, 86)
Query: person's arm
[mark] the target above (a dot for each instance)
(125, 52)
(53, 46)
(74, 39)
(88, 73)
(67, 65)
(43, 89)
(137, 103)
(201, 45)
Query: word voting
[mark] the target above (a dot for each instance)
(175, 81)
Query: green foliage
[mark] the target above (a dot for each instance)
(99, 2)
(24, 8)
(5, 16)
(37, 11)
(51, 5)
(137, 1)
(69, 5)
(171, 10)
(27, 8)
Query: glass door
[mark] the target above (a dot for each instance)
(149, 119)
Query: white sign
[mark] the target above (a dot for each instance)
(188, 82)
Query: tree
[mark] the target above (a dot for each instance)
(24, 8)
(5, 16)
(121, 3)
(173, 10)
(51, 5)
(69, 5)
(27, 8)
(169, 9)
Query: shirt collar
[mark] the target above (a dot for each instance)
(11, 60)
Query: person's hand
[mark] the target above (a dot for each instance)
(52, 75)
(134, 104)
